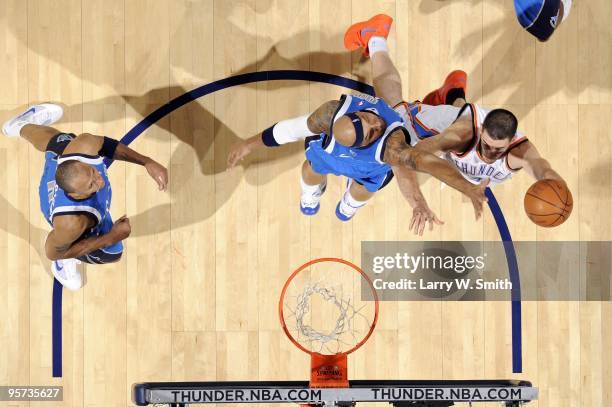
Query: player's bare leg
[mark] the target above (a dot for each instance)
(386, 78)
(313, 186)
(371, 36)
(359, 192)
(388, 83)
(38, 136)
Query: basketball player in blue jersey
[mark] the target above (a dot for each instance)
(75, 192)
(542, 17)
(482, 144)
(361, 138)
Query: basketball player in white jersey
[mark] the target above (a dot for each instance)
(482, 144)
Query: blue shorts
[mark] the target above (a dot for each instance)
(372, 183)
(539, 17)
(110, 254)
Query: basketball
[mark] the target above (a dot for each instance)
(548, 203)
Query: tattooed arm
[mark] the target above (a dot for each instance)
(421, 212)
(286, 131)
(399, 154)
(319, 121)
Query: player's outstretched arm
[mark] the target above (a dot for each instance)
(110, 148)
(398, 153)
(527, 156)
(421, 213)
(454, 138)
(285, 131)
(63, 241)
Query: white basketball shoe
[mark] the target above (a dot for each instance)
(348, 206)
(311, 198)
(66, 271)
(43, 115)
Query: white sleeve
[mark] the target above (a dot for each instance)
(287, 131)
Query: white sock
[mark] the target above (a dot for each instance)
(567, 5)
(349, 205)
(377, 44)
(311, 194)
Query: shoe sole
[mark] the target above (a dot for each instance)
(353, 39)
(56, 110)
(340, 216)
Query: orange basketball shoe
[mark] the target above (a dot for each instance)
(454, 80)
(358, 35)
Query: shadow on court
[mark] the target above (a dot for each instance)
(200, 143)
(510, 60)
(16, 224)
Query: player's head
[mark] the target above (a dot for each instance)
(77, 179)
(358, 129)
(498, 129)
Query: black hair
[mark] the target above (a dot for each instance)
(65, 173)
(500, 124)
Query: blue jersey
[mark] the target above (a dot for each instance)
(55, 202)
(358, 163)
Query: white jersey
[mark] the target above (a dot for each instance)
(425, 121)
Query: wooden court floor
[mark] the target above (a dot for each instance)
(195, 295)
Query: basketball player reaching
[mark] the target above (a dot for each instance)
(482, 144)
(75, 192)
(363, 139)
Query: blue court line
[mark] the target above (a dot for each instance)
(309, 76)
(517, 339)
(56, 328)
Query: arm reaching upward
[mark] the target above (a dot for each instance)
(399, 153)
(285, 131)
(527, 156)
(455, 138)
(91, 144)
(421, 213)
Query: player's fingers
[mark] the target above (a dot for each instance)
(437, 220)
(417, 223)
(233, 158)
(162, 181)
(412, 222)
(422, 224)
(478, 209)
(164, 177)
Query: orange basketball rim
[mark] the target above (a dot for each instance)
(329, 365)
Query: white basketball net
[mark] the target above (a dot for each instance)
(341, 325)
